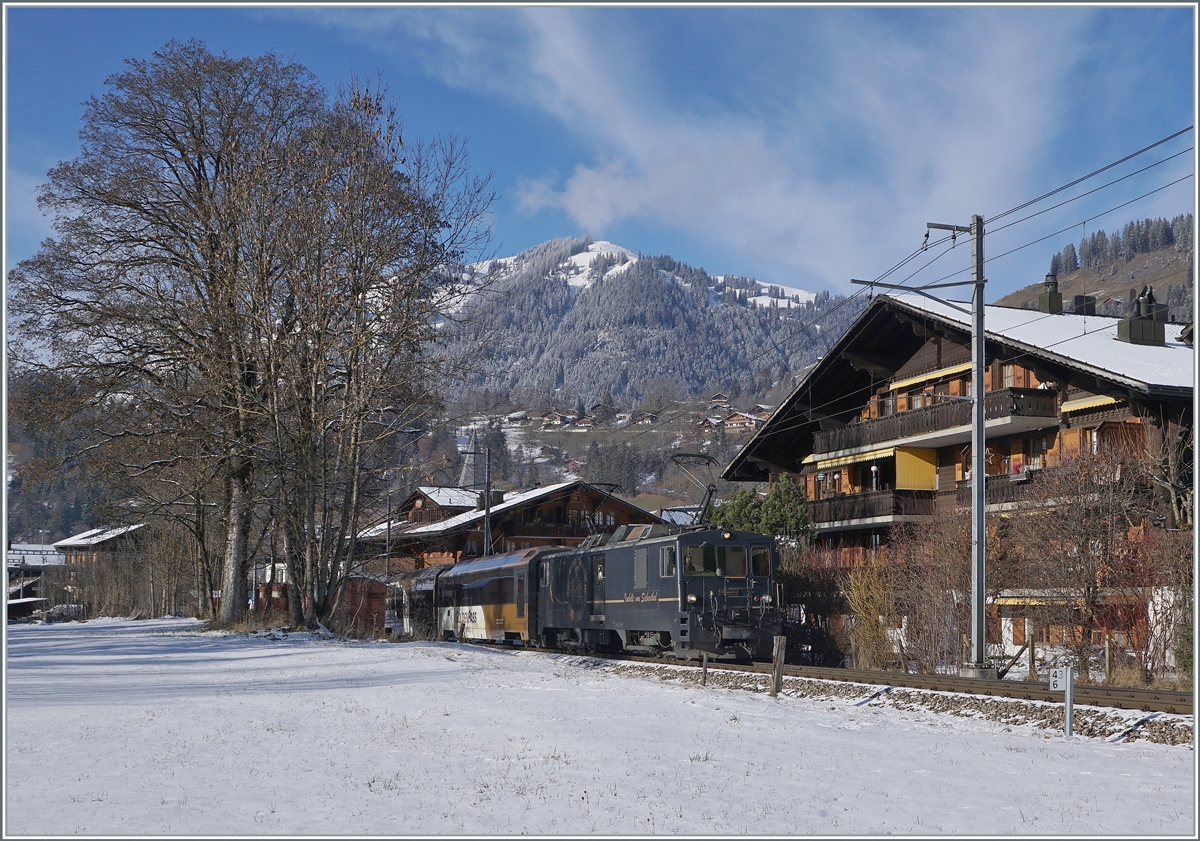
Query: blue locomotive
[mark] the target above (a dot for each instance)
(652, 589)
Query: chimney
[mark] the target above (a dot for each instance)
(1146, 322)
(1051, 300)
(1084, 305)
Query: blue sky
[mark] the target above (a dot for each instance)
(799, 145)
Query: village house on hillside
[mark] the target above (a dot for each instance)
(560, 514)
(878, 432)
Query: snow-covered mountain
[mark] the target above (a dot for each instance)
(575, 269)
(575, 319)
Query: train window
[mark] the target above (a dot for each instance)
(734, 562)
(666, 562)
(760, 557)
(700, 560)
(600, 568)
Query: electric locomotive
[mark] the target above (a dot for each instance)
(653, 589)
(658, 589)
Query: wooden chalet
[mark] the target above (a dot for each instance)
(563, 513)
(879, 433)
(102, 544)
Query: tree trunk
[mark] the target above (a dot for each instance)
(233, 583)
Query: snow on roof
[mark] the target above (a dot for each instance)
(510, 501)
(381, 529)
(451, 497)
(1087, 341)
(34, 554)
(92, 537)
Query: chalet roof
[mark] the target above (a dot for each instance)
(511, 502)
(450, 497)
(34, 554)
(94, 537)
(1085, 341)
(1076, 350)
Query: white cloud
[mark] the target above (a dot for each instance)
(949, 131)
(931, 118)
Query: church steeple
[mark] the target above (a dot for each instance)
(472, 476)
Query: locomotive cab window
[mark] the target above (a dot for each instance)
(666, 562)
(734, 561)
(715, 560)
(760, 558)
(700, 560)
(600, 568)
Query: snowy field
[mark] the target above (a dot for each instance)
(117, 727)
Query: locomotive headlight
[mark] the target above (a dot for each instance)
(766, 599)
(691, 598)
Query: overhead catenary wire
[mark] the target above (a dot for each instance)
(1093, 174)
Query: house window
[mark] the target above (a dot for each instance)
(1087, 441)
(1035, 453)
(1010, 375)
(472, 548)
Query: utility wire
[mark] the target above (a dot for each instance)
(1089, 192)
(1068, 228)
(1057, 190)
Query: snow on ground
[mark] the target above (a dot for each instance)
(155, 727)
(764, 299)
(583, 261)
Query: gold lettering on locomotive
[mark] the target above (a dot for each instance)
(648, 596)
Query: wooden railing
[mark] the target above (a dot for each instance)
(515, 531)
(872, 504)
(1007, 402)
(1001, 489)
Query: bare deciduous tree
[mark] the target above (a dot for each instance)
(243, 289)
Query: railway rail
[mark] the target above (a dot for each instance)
(1146, 700)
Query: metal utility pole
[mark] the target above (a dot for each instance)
(978, 665)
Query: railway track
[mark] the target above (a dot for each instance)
(1146, 700)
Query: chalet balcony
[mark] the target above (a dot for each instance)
(516, 531)
(1000, 489)
(875, 506)
(1007, 411)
